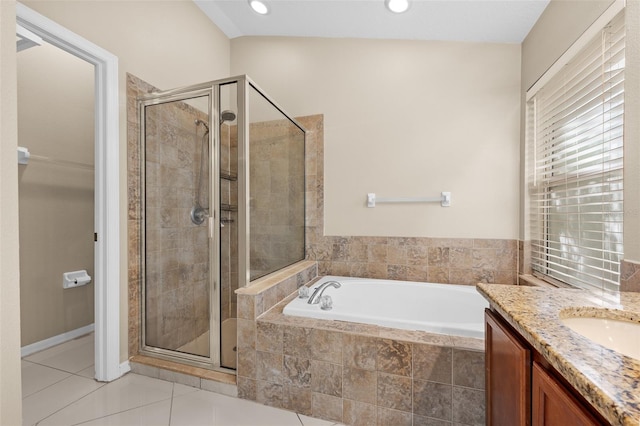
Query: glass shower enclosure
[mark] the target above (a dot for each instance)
(222, 190)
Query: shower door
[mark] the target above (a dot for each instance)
(180, 238)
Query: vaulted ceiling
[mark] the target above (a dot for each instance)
(498, 21)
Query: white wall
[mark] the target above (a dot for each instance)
(403, 118)
(166, 43)
(10, 383)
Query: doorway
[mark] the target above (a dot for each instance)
(106, 200)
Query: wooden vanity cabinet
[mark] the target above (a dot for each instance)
(507, 375)
(553, 404)
(521, 387)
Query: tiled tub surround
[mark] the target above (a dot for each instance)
(436, 260)
(608, 380)
(356, 373)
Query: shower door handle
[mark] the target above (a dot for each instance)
(211, 224)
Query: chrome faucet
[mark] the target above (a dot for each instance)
(317, 293)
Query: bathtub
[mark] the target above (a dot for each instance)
(437, 308)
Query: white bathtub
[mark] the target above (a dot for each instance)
(437, 308)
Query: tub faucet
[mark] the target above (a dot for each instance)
(317, 293)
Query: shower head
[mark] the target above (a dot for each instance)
(198, 122)
(227, 115)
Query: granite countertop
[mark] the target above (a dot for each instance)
(607, 379)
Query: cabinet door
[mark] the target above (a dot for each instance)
(508, 375)
(553, 405)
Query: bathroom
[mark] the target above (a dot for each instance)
(416, 147)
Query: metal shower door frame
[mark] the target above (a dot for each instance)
(213, 223)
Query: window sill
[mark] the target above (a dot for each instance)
(531, 281)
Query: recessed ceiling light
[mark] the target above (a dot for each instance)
(259, 7)
(397, 6)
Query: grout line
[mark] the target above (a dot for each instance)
(55, 383)
(71, 403)
(299, 419)
(173, 388)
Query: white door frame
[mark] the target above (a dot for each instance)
(107, 203)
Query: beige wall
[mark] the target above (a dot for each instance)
(559, 26)
(10, 383)
(403, 118)
(56, 200)
(168, 43)
(632, 134)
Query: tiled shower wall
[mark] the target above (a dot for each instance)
(440, 260)
(177, 254)
(277, 196)
(176, 262)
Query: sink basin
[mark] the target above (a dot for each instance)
(618, 335)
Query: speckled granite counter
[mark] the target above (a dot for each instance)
(608, 380)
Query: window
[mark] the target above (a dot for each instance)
(575, 141)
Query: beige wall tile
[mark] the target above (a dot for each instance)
(629, 276)
(394, 357)
(246, 388)
(432, 363)
(468, 368)
(360, 385)
(246, 334)
(468, 406)
(297, 342)
(432, 400)
(247, 363)
(428, 421)
(387, 416)
(269, 337)
(326, 378)
(328, 345)
(326, 407)
(269, 393)
(297, 399)
(269, 366)
(297, 372)
(360, 352)
(394, 392)
(359, 414)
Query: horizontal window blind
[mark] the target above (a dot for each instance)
(575, 138)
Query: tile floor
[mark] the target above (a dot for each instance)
(58, 389)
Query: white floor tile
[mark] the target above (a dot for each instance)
(72, 356)
(126, 393)
(211, 409)
(55, 397)
(36, 377)
(89, 372)
(179, 390)
(149, 415)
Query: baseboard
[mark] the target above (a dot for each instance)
(55, 340)
(125, 367)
